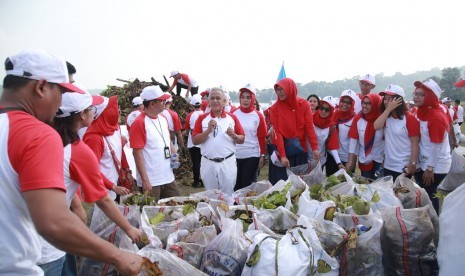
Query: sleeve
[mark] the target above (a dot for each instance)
(310, 128)
(436, 130)
(335, 155)
(262, 133)
(278, 140)
(95, 143)
(38, 160)
(198, 125)
(176, 123)
(333, 142)
(185, 78)
(108, 184)
(237, 125)
(187, 122)
(84, 169)
(413, 125)
(353, 131)
(138, 134)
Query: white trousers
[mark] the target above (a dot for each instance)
(221, 176)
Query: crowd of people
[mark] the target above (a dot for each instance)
(61, 146)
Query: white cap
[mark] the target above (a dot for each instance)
(329, 100)
(100, 103)
(276, 159)
(38, 65)
(431, 85)
(393, 90)
(446, 99)
(349, 93)
(72, 103)
(196, 100)
(153, 93)
(174, 73)
(367, 78)
(170, 98)
(137, 101)
(248, 87)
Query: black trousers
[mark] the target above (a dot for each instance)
(246, 171)
(431, 188)
(196, 157)
(179, 86)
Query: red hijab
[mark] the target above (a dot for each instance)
(284, 113)
(371, 117)
(341, 117)
(252, 101)
(108, 122)
(432, 112)
(321, 122)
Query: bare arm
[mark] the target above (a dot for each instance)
(140, 165)
(108, 206)
(55, 222)
(77, 209)
(393, 104)
(180, 140)
(413, 154)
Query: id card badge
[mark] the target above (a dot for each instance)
(167, 152)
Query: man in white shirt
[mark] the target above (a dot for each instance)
(366, 83)
(459, 112)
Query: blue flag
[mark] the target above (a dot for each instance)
(282, 73)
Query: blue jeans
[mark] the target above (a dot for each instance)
(53, 268)
(70, 266)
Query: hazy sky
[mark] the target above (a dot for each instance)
(235, 42)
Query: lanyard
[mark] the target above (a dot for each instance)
(159, 131)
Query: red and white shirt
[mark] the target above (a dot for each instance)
(31, 159)
(131, 118)
(218, 143)
(377, 152)
(398, 147)
(152, 136)
(344, 140)
(191, 118)
(321, 136)
(444, 160)
(186, 80)
(255, 130)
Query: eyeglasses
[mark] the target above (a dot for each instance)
(366, 103)
(92, 108)
(346, 102)
(324, 109)
(418, 94)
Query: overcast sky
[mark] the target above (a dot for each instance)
(231, 43)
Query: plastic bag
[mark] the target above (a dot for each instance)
(406, 241)
(226, 253)
(316, 176)
(313, 208)
(456, 175)
(106, 229)
(298, 170)
(274, 222)
(253, 189)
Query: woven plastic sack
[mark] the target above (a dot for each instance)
(456, 175)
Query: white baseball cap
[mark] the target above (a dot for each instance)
(248, 87)
(446, 99)
(137, 101)
(349, 93)
(431, 85)
(174, 73)
(329, 100)
(100, 103)
(196, 100)
(38, 65)
(367, 78)
(72, 103)
(170, 98)
(276, 159)
(153, 93)
(461, 82)
(393, 90)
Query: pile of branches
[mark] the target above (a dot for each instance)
(132, 89)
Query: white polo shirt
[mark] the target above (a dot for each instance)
(191, 118)
(344, 140)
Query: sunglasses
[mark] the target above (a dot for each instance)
(324, 109)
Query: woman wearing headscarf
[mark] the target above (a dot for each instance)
(292, 122)
(326, 133)
(401, 133)
(435, 159)
(369, 141)
(104, 138)
(250, 155)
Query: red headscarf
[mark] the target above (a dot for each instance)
(430, 111)
(108, 122)
(321, 122)
(284, 113)
(371, 117)
(252, 101)
(340, 116)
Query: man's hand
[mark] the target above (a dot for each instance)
(261, 162)
(285, 162)
(147, 187)
(134, 234)
(129, 264)
(121, 190)
(316, 155)
(428, 177)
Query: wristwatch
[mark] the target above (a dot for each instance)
(413, 163)
(429, 168)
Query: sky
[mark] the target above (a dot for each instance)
(231, 43)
